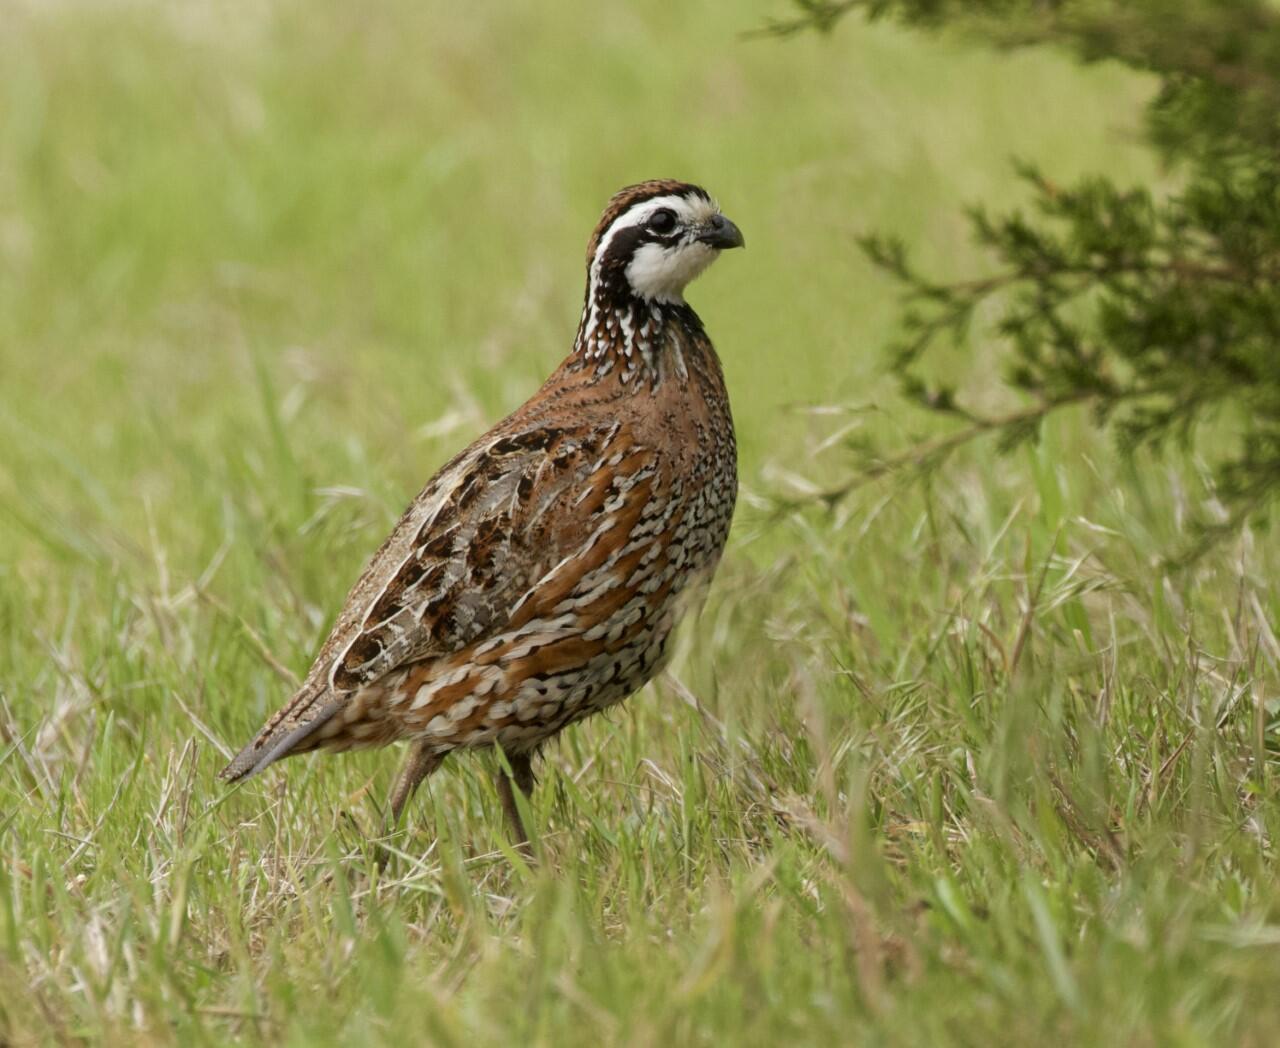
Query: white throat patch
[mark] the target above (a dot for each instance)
(659, 272)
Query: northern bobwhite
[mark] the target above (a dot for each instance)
(537, 577)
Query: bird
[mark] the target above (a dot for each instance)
(537, 577)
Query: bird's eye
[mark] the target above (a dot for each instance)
(663, 220)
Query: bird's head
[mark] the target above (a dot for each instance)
(654, 238)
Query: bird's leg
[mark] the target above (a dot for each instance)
(420, 763)
(522, 776)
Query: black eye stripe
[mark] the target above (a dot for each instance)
(623, 246)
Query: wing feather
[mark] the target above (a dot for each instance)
(510, 511)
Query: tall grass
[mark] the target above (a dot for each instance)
(950, 764)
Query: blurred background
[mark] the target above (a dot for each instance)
(382, 214)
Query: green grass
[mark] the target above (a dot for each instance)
(955, 764)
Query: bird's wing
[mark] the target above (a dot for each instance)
(510, 526)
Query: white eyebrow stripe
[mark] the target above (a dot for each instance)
(637, 215)
(692, 208)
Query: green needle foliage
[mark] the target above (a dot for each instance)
(1159, 309)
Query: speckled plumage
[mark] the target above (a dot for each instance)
(537, 576)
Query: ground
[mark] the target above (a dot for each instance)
(951, 763)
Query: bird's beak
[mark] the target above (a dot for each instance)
(720, 233)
